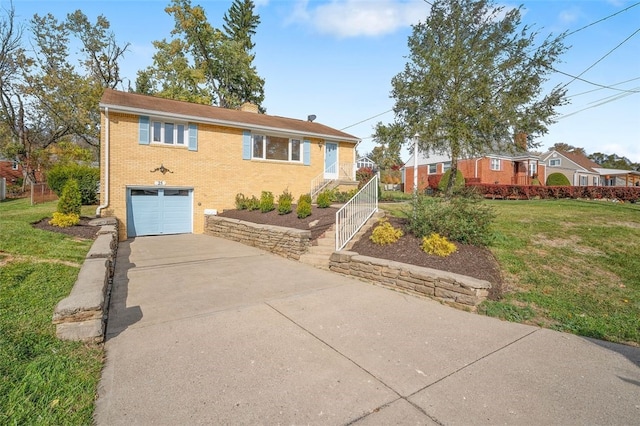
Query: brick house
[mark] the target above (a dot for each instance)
(10, 170)
(165, 162)
(498, 168)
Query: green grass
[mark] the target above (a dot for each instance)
(42, 380)
(569, 265)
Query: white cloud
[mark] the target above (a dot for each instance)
(354, 18)
(569, 16)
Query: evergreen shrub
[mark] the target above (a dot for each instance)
(267, 203)
(285, 201)
(438, 245)
(304, 206)
(384, 233)
(557, 179)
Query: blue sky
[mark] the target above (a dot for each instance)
(336, 58)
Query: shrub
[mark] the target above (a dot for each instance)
(266, 202)
(241, 201)
(444, 181)
(304, 206)
(342, 196)
(285, 200)
(438, 245)
(557, 179)
(384, 233)
(64, 220)
(461, 219)
(87, 178)
(324, 199)
(364, 175)
(253, 203)
(70, 201)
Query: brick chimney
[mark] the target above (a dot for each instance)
(249, 107)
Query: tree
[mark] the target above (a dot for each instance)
(613, 161)
(240, 23)
(561, 146)
(202, 64)
(45, 98)
(474, 80)
(389, 139)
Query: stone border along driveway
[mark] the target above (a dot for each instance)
(82, 315)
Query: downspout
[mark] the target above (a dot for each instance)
(105, 203)
(476, 173)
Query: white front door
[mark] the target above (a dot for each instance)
(330, 160)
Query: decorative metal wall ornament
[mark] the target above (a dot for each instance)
(162, 169)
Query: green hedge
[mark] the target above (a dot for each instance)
(557, 179)
(87, 178)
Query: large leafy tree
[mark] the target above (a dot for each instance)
(203, 64)
(474, 79)
(389, 140)
(48, 99)
(613, 161)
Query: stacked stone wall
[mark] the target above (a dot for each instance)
(286, 242)
(458, 290)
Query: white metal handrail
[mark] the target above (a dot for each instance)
(343, 171)
(355, 213)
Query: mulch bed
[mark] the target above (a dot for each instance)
(319, 221)
(82, 230)
(472, 261)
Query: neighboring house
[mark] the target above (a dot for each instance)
(164, 163)
(365, 162)
(10, 170)
(582, 171)
(502, 168)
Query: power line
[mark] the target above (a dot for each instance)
(617, 97)
(592, 83)
(367, 119)
(603, 19)
(611, 86)
(606, 54)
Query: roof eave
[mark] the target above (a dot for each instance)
(237, 124)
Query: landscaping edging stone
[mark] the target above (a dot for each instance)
(286, 242)
(454, 289)
(82, 315)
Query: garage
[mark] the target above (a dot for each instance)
(159, 211)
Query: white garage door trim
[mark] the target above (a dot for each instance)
(159, 210)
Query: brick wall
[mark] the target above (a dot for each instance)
(216, 172)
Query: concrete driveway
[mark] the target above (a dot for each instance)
(207, 331)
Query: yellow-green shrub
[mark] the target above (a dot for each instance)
(385, 233)
(438, 245)
(64, 220)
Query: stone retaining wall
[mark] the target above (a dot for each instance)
(286, 242)
(458, 290)
(82, 315)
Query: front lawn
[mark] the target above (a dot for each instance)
(42, 380)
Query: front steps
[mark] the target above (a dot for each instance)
(322, 248)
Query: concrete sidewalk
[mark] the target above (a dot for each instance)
(206, 331)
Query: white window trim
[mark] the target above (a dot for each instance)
(176, 124)
(429, 169)
(493, 162)
(289, 148)
(446, 166)
(553, 160)
(14, 165)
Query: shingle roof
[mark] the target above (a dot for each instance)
(150, 105)
(581, 160)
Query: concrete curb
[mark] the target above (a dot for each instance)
(81, 315)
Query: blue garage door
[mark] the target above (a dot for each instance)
(158, 211)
